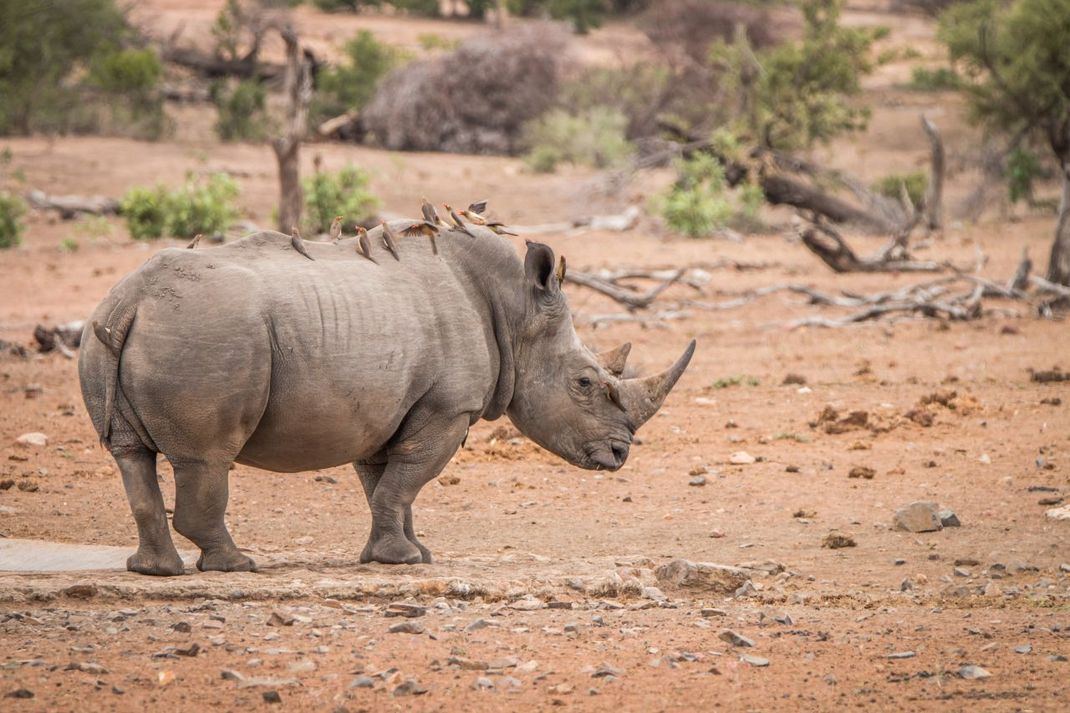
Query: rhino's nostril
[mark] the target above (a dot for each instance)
(620, 453)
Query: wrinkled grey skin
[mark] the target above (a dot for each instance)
(254, 353)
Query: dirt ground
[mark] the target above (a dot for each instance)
(546, 589)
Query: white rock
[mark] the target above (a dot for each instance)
(1062, 513)
(741, 458)
(32, 440)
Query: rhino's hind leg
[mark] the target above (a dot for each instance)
(156, 553)
(370, 474)
(201, 493)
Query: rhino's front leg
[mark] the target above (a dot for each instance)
(413, 460)
(370, 474)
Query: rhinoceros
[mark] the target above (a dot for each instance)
(293, 356)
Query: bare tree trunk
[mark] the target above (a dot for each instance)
(934, 208)
(1059, 263)
(298, 90)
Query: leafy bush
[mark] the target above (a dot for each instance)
(593, 138)
(344, 193)
(199, 206)
(351, 85)
(128, 81)
(697, 205)
(242, 114)
(642, 92)
(476, 99)
(1023, 169)
(11, 211)
(916, 183)
(934, 80)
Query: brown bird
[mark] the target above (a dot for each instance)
(336, 228)
(561, 271)
(478, 207)
(363, 244)
(458, 223)
(298, 242)
(431, 215)
(388, 240)
(196, 239)
(426, 229)
(474, 217)
(500, 228)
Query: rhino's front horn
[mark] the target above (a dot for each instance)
(643, 397)
(614, 360)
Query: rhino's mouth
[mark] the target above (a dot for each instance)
(606, 455)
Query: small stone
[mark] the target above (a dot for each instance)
(303, 666)
(81, 591)
(862, 471)
(992, 590)
(182, 627)
(32, 440)
(698, 470)
(281, 618)
(409, 611)
(792, 469)
(971, 672)
(966, 562)
(698, 481)
(606, 670)
(733, 638)
(304, 540)
(362, 682)
(19, 693)
(948, 518)
(710, 613)
(528, 603)
(89, 667)
(407, 627)
(28, 486)
(837, 540)
(561, 689)
(742, 458)
(483, 683)
(961, 572)
(271, 697)
(409, 687)
(654, 593)
(716, 578)
(793, 379)
(1061, 513)
(1023, 649)
(919, 516)
(1065, 567)
(899, 655)
(477, 625)
(906, 585)
(756, 661)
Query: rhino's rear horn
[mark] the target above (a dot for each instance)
(643, 397)
(614, 360)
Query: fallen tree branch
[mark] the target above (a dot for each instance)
(69, 207)
(619, 294)
(833, 250)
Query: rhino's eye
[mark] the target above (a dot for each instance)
(584, 382)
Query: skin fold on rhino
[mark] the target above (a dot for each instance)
(255, 353)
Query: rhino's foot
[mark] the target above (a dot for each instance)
(425, 554)
(225, 560)
(148, 562)
(393, 550)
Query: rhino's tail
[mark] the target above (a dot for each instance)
(113, 335)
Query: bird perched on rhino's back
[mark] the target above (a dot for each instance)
(341, 359)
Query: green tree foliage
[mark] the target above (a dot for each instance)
(351, 85)
(698, 204)
(55, 57)
(796, 94)
(594, 137)
(916, 183)
(1015, 59)
(199, 206)
(344, 193)
(242, 111)
(11, 211)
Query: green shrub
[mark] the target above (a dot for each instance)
(698, 204)
(916, 182)
(199, 206)
(128, 82)
(1023, 169)
(242, 111)
(344, 193)
(595, 137)
(11, 211)
(934, 80)
(339, 5)
(351, 85)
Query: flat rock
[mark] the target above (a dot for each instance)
(918, 516)
(971, 672)
(948, 518)
(32, 440)
(407, 627)
(1062, 513)
(716, 578)
(733, 638)
(742, 458)
(756, 661)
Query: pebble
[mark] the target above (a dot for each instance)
(1023, 649)
(271, 697)
(918, 516)
(698, 481)
(405, 610)
(733, 638)
(757, 661)
(742, 458)
(899, 655)
(32, 440)
(861, 471)
(362, 682)
(19, 693)
(281, 618)
(482, 683)
(1061, 513)
(837, 540)
(961, 572)
(478, 624)
(1064, 567)
(948, 518)
(606, 670)
(971, 672)
(407, 627)
(409, 687)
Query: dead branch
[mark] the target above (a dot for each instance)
(69, 207)
(833, 250)
(211, 66)
(934, 208)
(619, 294)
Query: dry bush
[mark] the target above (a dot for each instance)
(685, 29)
(473, 100)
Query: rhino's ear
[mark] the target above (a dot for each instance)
(539, 270)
